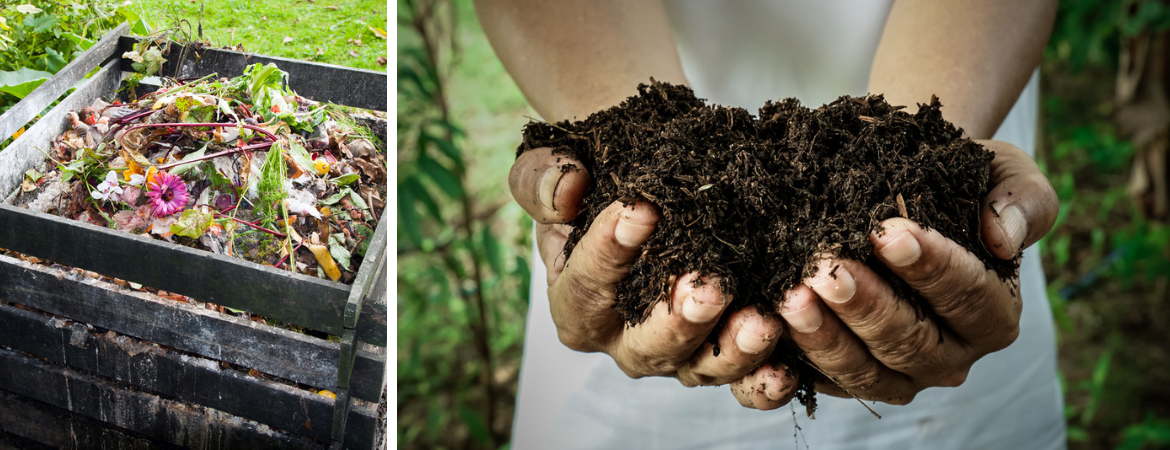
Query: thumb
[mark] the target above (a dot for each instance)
(1021, 208)
(550, 187)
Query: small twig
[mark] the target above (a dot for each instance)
(216, 155)
(208, 124)
(269, 143)
(135, 115)
(282, 258)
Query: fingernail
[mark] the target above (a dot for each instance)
(752, 342)
(903, 250)
(833, 283)
(548, 187)
(1014, 225)
(806, 319)
(633, 227)
(703, 304)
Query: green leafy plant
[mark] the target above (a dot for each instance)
(38, 38)
(1108, 266)
(462, 287)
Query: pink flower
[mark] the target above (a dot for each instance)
(168, 194)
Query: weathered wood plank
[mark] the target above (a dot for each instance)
(157, 418)
(372, 325)
(40, 98)
(185, 327)
(369, 375)
(321, 82)
(366, 276)
(39, 425)
(175, 375)
(25, 152)
(276, 294)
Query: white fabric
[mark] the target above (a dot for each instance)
(741, 53)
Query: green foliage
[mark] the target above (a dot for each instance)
(1152, 430)
(271, 184)
(38, 38)
(19, 83)
(193, 223)
(463, 272)
(1108, 266)
(322, 30)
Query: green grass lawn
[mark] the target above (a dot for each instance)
(344, 32)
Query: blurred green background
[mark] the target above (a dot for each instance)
(463, 245)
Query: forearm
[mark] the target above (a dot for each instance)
(573, 58)
(975, 55)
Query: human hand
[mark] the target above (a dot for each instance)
(872, 345)
(673, 340)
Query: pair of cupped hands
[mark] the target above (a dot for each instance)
(848, 323)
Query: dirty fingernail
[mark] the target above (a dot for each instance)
(1014, 226)
(548, 187)
(806, 319)
(703, 304)
(833, 283)
(752, 342)
(775, 389)
(634, 226)
(902, 251)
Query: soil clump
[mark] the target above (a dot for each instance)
(754, 200)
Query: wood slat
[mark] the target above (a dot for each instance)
(278, 352)
(160, 419)
(40, 98)
(372, 325)
(28, 151)
(359, 88)
(172, 374)
(38, 425)
(275, 294)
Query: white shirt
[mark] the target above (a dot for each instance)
(740, 53)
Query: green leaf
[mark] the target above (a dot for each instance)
(475, 423)
(423, 196)
(180, 169)
(492, 251)
(1097, 386)
(366, 233)
(345, 179)
(54, 61)
(138, 26)
(443, 177)
(300, 155)
(338, 251)
(193, 223)
(408, 78)
(81, 42)
(357, 200)
(332, 199)
(22, 82)
(447, 148)
(40, 23)
(1151, 430)
(407, 216)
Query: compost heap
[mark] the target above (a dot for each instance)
(241, 167)
(753, 200)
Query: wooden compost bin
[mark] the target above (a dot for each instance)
(86, 363)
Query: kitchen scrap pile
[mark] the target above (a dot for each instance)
(240, 167)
